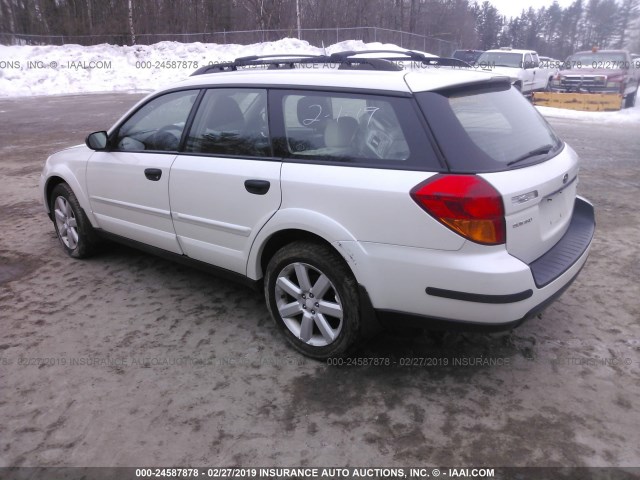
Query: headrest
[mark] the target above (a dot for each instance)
(341, 132)
(225, 115)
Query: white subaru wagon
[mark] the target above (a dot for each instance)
(350, 189)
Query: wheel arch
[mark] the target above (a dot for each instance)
(52, 182)
(294, 225)
(56, 179)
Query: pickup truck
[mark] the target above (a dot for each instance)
(522, 66)
(552, 65)
(600, 71)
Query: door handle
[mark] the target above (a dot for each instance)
(257, 187)
(153, 174)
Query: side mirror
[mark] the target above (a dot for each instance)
(97, 140)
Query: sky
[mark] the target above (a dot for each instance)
(511, 8)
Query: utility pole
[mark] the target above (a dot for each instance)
(298, 18)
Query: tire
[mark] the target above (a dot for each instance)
(73, 228)
(630, 100)
(548, 87)
(313, 297)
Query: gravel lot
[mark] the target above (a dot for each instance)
(148, 363)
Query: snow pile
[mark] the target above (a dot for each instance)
(67, 69)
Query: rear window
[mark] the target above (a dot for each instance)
(501, 59)
(488, 129)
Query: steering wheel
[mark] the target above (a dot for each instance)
(168, 128)
(166, 138)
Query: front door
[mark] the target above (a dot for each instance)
(129, 184)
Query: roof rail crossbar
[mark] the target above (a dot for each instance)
(345, 60)
(404, 55)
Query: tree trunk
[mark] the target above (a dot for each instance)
(131, 30)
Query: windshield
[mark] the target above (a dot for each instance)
(469, 56)
(500, 59)
(606, 60)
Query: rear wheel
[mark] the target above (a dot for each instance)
(313, 297)
(72, 225)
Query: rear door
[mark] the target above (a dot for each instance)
(226, 184)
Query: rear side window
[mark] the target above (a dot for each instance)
(355, 128)
(231, 122)
(488, 129)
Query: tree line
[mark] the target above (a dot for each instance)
(553, 31)
(557, 32)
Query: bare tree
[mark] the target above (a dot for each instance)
(130, 18)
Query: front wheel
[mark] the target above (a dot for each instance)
(630, 100)
(548, 87)
(313, 297)
(72, 225)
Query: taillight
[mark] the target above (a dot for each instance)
(467, 204)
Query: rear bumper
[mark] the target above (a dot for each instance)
(392, 319)
(476, 287)
(569, 249)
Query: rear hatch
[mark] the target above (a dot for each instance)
(538, 203)
(491, 130)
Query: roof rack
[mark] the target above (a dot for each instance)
(353, 60)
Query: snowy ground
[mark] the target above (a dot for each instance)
(128, 360)
(72, 69)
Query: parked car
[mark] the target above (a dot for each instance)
(521, 66)
(468, 56)
(349, 195)
(600, 71)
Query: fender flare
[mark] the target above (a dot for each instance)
(64, 173)
(298, 219)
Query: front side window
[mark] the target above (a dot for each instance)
(536, 60)
(158, 125)
(365, 129)
(231, 122)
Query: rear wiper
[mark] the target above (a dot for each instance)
(543, 150)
